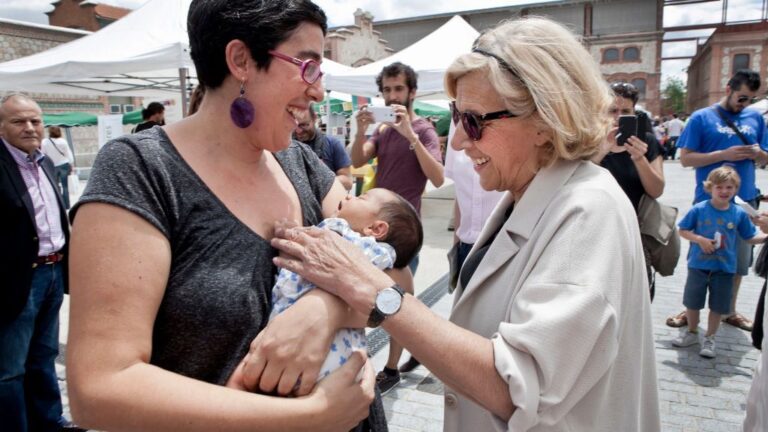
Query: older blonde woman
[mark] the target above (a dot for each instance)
(551, 325)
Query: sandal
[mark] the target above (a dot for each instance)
(678, 320)
(740, 321)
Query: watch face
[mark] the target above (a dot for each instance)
(388, 301)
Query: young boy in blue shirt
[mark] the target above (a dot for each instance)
(712, 226)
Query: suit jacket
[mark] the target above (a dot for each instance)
(19, 243)
(563, 295)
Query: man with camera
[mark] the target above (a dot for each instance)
(726, 133)
(408, 151)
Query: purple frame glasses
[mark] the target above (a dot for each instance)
(310, 69)
(473, 123)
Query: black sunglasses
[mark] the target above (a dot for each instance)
(473, 123)
(742, 99)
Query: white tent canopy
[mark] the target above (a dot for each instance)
(143, 54)
(429, 57)
(140, 54)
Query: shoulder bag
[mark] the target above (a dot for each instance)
(659, 234)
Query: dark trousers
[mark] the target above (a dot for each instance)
(29, 390)
(62, 172)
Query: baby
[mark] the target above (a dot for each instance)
(388, 230)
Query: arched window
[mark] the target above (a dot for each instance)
(639, 84)
(631, 54)
(610, 55)
(740, 61)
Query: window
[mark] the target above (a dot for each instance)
(740, 61)
(128, 108)
(639, 84)
(631, 54)
(610, 55)
(115, 109)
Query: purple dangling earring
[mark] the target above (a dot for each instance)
(241, 111)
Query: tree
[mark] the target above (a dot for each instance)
(674, 95)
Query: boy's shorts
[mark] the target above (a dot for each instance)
(720, 285)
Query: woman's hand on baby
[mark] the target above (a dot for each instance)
(332, 263)
(285, 358)
(341, 400)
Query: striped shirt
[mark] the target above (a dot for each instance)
(43, 196)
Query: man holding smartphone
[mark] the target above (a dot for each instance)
(408, 150)
(727, 133)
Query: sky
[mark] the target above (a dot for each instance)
(340, 12)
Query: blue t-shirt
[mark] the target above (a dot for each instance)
(706, 132)
(331, 151)
(704, 220)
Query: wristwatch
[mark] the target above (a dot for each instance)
(387, 303)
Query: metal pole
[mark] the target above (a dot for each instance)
(183, 85)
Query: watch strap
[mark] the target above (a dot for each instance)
(377, 317)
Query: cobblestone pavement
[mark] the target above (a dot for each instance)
(696, 394)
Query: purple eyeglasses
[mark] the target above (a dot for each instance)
(473, 123)
(310, 69)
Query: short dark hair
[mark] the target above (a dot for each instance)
(405, 233)
(626, 90)
(746, 77)
(152, 109)
(260, 24)
(394, 70)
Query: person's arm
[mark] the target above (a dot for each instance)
(363, 148)
(759, 238)
(706, 245)
(651, 173)
(428, 337)
(119, 267)
(344, 176)
(430, 166)
(690, 158)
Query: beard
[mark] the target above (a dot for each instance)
(407, 104)
(731, 106)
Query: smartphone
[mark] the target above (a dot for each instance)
(382, 113)
(627, 128)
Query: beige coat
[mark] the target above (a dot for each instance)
(562, 292)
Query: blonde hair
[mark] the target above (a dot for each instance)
(721, 175)
(553, 80)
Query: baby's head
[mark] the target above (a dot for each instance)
(723, 176)
(387, 217)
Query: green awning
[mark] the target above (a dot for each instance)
(72, 119)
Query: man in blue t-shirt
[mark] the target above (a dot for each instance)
(708, 142)
(329, 149)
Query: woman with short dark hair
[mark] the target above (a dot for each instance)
(171, 266)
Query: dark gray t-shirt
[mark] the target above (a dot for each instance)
(218, 294)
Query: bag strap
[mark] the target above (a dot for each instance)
(56, 147)
(732, 126)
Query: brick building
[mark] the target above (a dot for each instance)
(729, 48)
(84, 14)
(356, 45)
(624, 36)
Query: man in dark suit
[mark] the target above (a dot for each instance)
(34, 232)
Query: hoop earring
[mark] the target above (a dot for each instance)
(242, 111)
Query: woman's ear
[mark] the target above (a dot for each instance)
(378, 230)
(237, 55)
